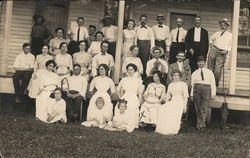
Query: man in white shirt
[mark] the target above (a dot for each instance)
(177, 40)
(145, 41)
(196, 43)
(77, 87)
(162, 34)
(183, 66)
(77, 34)
(157, 64)
(23, 65)
(220, 45)
(110, 34)
(103, 58)
(203, 89)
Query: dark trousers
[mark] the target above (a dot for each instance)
(74, 107)
(193, 58)
(112, 49)
(36, 46)
(144, 53)
(175, 48)
(20, 87)
(161, 44)
(73, 47)
(201, 102)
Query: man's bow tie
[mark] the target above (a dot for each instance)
(160, 26)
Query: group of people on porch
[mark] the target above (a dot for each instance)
(160, 71)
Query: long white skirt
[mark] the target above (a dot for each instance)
(169, 116)
(33, 87)
(42, 103)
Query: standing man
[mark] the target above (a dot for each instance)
(162, 34)
(182, 66)
(23, 65)
(76, 93)
(203, 89)
(177, 40)
(110, 34)
(92, 31)
(220, 45)
(196, 43)
(77, 34)
(145, 41)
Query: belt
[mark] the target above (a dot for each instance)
(201, 84)
(177, 42)
(160, 40)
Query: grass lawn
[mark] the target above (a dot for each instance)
(22, 136)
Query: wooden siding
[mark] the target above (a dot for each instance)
(2, 23)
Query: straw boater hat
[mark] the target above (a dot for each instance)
(158, 48)
(225, 20)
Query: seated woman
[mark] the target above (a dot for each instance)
(63, 61)
(134, 60)
(47, 83)
(55, 42)
(99, 115)
(83, 58)
(130, 88)
(39, 66)
(95, 46)
(56, 108)
(121, 120)
(99, 87)
(154, 96)
(169, 114)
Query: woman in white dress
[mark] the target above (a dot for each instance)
(55, 42)
(169, 114)
(39, 67)
(133, 59)
(154, 96)
(63, 61)
(129, 38)
(56, 108)
(83, 58)
(131, 88)
(95, 46)
(99, 87)
(48, 82)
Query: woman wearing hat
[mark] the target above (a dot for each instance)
(221, 43)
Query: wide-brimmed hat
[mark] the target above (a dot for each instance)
(158, 48)
(159, 16)
(225, 20)
(201, 58)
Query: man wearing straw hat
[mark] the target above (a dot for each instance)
(220, 45)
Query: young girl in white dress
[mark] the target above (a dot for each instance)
(121, 120)
(95, 46)
(39, 67)
(99, 115)
(99, 87)
(134, 60)
(63, 61)
(131, 88)
(169, 114)
(47, 83)
(154, 96)
(56, 108)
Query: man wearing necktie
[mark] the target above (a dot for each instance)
(145, 41)
(203, 89)
(196, 43)
(162, 34)
(177, 40)
(220, 45)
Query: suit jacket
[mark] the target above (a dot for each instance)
(186, 72)
(204, 41)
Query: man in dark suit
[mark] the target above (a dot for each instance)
(183, 66)
(196, 43)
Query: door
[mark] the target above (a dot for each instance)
(188, 20)
(55, 14)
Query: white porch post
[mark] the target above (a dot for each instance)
(119, 41)
(235, 31)
(7, 27)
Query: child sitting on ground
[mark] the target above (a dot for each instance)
(98, 116)
(121, 120)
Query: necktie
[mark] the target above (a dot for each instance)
(202, 75)
(222, 33)
(160, 26)
(177, 36)
(78, 35)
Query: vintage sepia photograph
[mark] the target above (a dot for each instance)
(124, 79)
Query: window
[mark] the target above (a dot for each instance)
(243, 56)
